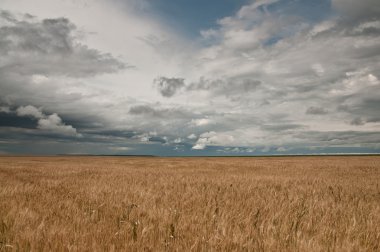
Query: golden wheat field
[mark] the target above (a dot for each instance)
(189, 204)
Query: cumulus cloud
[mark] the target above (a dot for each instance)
(201, 122)
(201, 145)
(237, 150)
(120, 148)
(169, 86)
(45, 123)
(261, 79)
(30, 111)
(192, 136)
(43, 60)
(49, 47)
(282, 149)
(177, 140)
(294, 71)
(53, 123)
(213, 139)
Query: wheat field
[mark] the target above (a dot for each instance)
(189, 204)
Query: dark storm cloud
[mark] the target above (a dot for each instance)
(373, 120)
(13, 120)
(148, 110)
(261, 81)
(341, 138)
(169, 86)
(33, 134)
(281, 127)
(43, 51)
(362, 107)
(370, 29)
(357, 121)
(114, 133)
(316, 111)
(49, 47)
(229, 87)
(25, 117)
(370, 104)
(368, 52)
(6, 15)
(145, 110)
(357, 11)
(157, 139)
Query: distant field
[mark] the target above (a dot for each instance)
(190, 204)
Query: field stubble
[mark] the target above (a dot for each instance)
(190, 204)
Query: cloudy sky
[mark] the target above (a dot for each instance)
(164, 77)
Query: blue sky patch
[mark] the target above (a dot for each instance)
(191, 17)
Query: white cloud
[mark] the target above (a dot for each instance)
(39, 78)
(177, 140)
(213, 139)
(199, 146)
(201, 122)
(144, 138)
(257, 79)
(120, 148)
(47, 123)
(192, 136)
(322, 27)
(53, 123)
(282, 149)
(30, 111)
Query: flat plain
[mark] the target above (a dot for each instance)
(190, 204)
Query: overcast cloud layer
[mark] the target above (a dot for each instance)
(121, 77)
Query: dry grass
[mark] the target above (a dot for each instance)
(189, 204)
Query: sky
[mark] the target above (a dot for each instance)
(189, 78)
